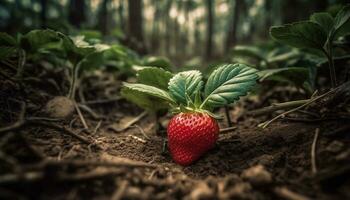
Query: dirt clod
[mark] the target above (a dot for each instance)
(59, 107)
(201, 191)
(257, 175)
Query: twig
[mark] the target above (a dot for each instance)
(130, 123)
(338, 130)
(97, 127)
(313, 152)
(122, 162)
(81, 94)
(137, 139)
(295, 119)
(277, 106)
(102, 101)
(82, 119)
(90, 111)
(20, 122)
(228, 129)
(7, 76)
(65, 130)
(10, 160)
(118, 194)
(39, 121)
(7, 179)
(265, 124)
(141, 131)
(290, 195)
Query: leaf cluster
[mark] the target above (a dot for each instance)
(157, 88)
(314, 33)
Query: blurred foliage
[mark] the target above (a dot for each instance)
(176, 31)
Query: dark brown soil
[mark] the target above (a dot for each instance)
(38, 159)
(283, 149)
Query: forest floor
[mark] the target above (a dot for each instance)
(46, 159)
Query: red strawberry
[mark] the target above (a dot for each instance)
(190, 135)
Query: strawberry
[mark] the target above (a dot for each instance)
(190, 135)
(193, 130)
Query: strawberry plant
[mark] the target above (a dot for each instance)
(318, 33)
(194, 129)
(280, 64)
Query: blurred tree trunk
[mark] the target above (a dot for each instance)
(231, 38)
(77, 12)
(155, 28)
(103, 17)
(289, 14)
(177, 30)
(197, 38)
(167, 21)
(210, 28)
(185, 36)
(135, 29)
(43, 15)
(121, 15)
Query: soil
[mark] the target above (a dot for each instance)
(41, 160)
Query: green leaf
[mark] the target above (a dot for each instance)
(149, 90)
(92, 61)
(342, 17)
(325, 20)
(91, 34)
(6, 52)
(7, 40)
(294, 75)
(227, 84)
(284, 57)
(303, 34)
(185, 83)
(341, 22)
(157, 62)
(154, 76)
(248, 51)
(37, 39)
(143, 100)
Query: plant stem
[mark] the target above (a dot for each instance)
(74, 78)
(313, 152)
(228, 117)
(21, 63)
(329, 56)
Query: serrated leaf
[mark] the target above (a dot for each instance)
(185, 83)
(303, 34)
(341, 22)
(227, 84)
(325, 20)
(154, 76)
(7, 40)
(6, 52)
(149, 90)
(143, 100)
